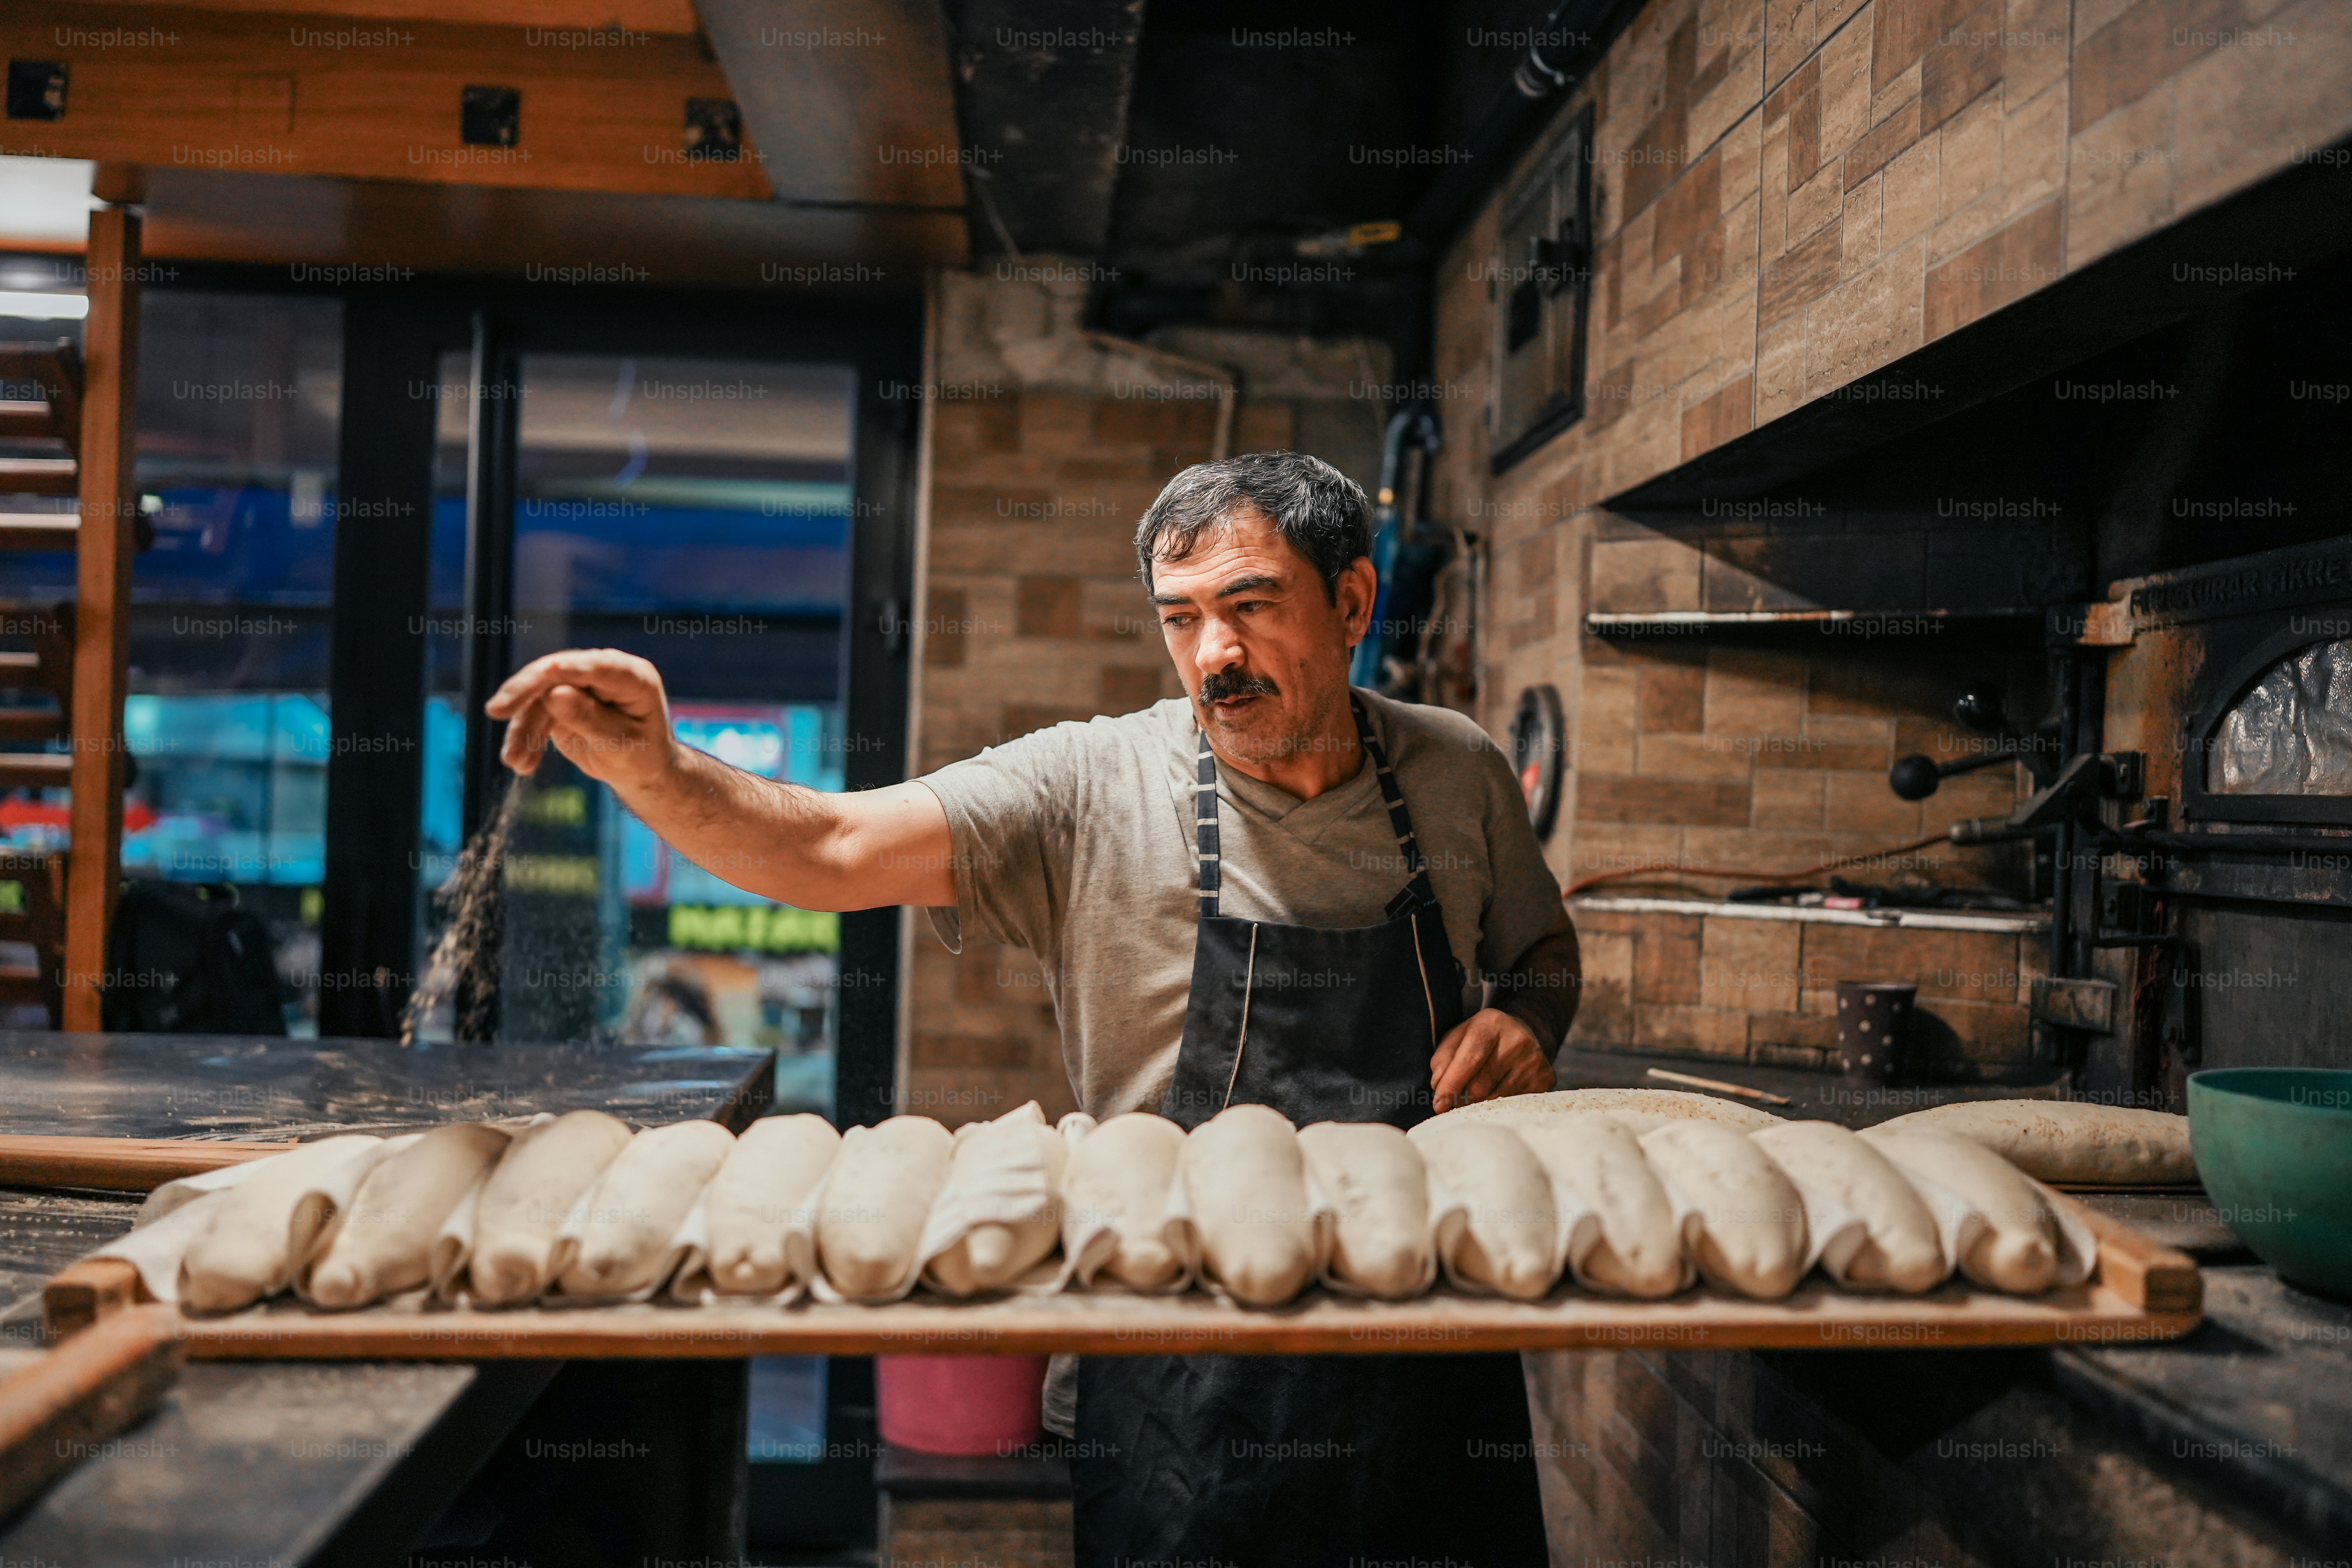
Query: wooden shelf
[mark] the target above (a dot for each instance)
(35, 769)
(40, 476)
(1990, 921)
(28, 422)
(55, 368)
(1624, 623)
(38, 531)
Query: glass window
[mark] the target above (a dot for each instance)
(239, 404)
(696, 512)
(2292, 734)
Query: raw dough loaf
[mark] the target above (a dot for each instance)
(264, 1228)
(1375, 1179)
(877, 1198)
(2017, 1249)
(524, 1204)
(1507, 1239)
(1640, 1109)
(1903, 1251)
(383, 1244)
(1598, 1158)
(1009, 1170)
(627, 1236)
(1752, 1219)
(2068, 1139)
(1247, 1180)
(1119, 1178)
(759, 1196)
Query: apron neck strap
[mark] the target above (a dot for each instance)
(1415, 893)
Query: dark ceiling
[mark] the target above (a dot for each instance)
(1212, 156)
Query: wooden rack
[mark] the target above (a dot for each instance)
(64, 905)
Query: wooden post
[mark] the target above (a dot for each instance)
(110, 510)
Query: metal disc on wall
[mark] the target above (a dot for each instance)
(1539, 741)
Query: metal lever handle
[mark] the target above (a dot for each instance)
(1915, 777)
(2074, 794)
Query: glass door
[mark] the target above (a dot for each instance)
(723, 485)
(697, 512)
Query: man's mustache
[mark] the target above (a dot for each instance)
(1228, 684)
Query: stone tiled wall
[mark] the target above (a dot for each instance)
(1045, 445)
(970, 1533)
(1826, 1458)
(1793, 192)
(1698, 768)
(1791, 195)
(1765, 991)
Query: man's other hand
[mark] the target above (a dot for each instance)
(1488, 1055)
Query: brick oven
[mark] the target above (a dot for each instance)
(1945, 381)
(1833, 466)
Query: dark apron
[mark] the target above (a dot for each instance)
(1283, 1460)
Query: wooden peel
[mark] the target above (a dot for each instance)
(81, 1293)
(2144, 1273)
(117, 1164)
(1716, 1084)
(62, 1407)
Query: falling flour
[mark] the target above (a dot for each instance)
(465, 964)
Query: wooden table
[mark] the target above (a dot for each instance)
(350, 1462)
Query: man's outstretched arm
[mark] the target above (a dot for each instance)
(607, 713)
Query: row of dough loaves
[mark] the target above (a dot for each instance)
(1634, 1203)
(2048, 1140)
(1507, 1208)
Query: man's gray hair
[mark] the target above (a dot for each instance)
(1310, 503)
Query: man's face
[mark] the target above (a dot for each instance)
(1262, 651)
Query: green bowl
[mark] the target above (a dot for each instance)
(2275, 1148)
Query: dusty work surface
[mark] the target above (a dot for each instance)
(1115, 1323)
(236, 1086)
(1812, 1095)
(2258, 1400)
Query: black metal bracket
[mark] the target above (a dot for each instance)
(2131, 914)
(495, 418)
(2087, 1005)
(2071, 798)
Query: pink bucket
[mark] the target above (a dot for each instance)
(959, 1404)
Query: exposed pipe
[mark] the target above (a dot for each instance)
(1413, 426)
(1538, 80)
(1228, 381)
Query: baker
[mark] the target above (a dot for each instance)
(1275, 888)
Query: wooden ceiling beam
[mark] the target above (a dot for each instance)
(386, 231)
(323, 94)
(854, 98)
(637, 15)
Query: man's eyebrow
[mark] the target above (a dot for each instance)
(1248, 585)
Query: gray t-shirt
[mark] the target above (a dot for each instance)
(1076, 843)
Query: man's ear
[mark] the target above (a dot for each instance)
(1356, 589)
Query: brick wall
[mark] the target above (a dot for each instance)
(1045, 444)
(1738, 762)
(974, 1533)
(1765, 991)
(1820, 1459)
(1790, 195)
(1793, 192)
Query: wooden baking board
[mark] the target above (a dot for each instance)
(1818, 1317)
(2141, 1291)
(61, 1406)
